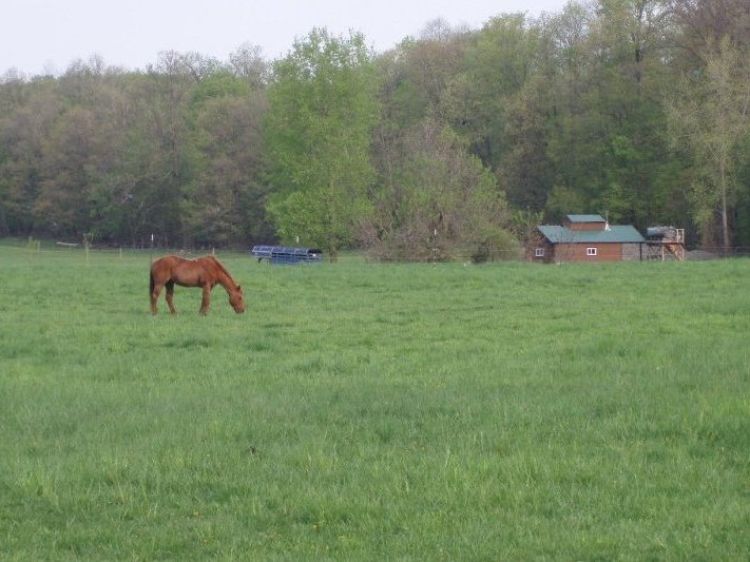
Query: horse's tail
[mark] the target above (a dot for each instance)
(151, 284)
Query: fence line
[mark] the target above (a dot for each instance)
(54, 249)
(62, 249)
(33, 247)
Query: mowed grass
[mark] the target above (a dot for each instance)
(375, 412)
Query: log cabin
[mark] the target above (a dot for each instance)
(585, 238)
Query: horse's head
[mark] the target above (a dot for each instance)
(237, 300)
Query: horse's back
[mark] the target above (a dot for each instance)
(189, 273)
(164, 266)
(170, 260)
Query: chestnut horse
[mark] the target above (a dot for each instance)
(203, 272)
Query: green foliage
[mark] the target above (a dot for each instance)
(562, 201)
(322, 110)
(505, 411)
(226, 134)
(127, 155)
(497, 66)
(219, 85)
(317, 218)
(607, 144)
(438, 203)
(710, 118)
(636, 108)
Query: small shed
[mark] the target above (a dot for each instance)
(586, 238)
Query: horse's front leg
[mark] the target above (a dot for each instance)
(206, 302)
(170, 296)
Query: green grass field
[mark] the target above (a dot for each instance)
(375, 412)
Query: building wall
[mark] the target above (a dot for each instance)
(577, 252)
(585, 225)
(540, 242)
(631, 252)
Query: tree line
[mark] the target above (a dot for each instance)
(456, 142)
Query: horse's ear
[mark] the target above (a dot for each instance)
(239, 287)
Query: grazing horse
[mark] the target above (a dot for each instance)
(203, 272)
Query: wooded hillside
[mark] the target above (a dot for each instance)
(456, 141)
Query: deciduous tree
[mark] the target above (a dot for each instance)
(710, 118)
(322, 111)
(440, 202)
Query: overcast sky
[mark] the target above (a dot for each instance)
(46, 35)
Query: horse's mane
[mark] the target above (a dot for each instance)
(221, 267)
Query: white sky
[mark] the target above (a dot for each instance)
(47, 35)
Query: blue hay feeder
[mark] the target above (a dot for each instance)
(286, 255)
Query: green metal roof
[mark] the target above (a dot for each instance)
(585, 218)
(615, 234)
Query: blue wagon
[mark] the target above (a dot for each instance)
(286, 254)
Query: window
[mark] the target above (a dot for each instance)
(539, 253)
(590, 251)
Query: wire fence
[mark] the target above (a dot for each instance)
(33, 247)
(715, 253)
(52, 248)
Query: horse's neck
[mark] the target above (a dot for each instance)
(222, 275)
(223, 279)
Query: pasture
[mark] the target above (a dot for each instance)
(375, 412)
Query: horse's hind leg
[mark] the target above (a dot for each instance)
(155, 296)
(170, 296)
